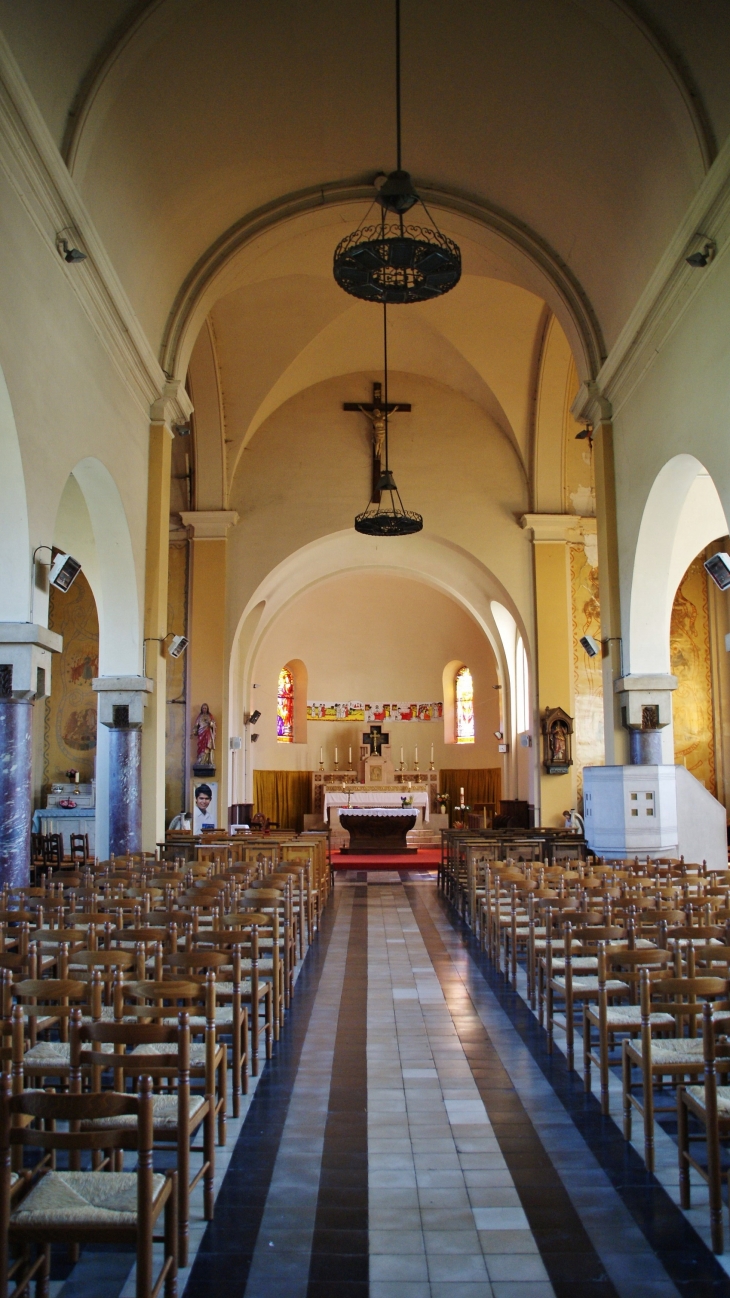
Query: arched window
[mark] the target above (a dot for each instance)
(464, 699)
(285, 707)
(522, 688)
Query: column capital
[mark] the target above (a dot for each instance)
(591, 405)
(558, 527)
(642, 690)
(122, 700)
(26, 648)
(173, 406)
(209, 524)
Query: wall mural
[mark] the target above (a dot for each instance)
(587, 675)
(70, 715)
(375, 712)
(689, 642)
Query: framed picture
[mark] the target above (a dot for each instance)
(205, 804)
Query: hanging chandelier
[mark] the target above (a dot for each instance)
(386, 514)
(394, 263)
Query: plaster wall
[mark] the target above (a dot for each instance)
(375, 637)
(308, 472)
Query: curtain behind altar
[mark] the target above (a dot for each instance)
(283, 796)
(479, 786)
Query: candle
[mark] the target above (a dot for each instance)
(335, 754)
(349, 754)
(321, 759)
(461, 796)
(401, 754)
(415, 755)
(431, 752)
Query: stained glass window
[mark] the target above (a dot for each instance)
(464, 691)
(285, 707)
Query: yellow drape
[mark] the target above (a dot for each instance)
(283, 796)
(479, 786)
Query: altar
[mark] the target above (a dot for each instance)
(378, 829)
(365, 795)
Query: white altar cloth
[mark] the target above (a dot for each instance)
(373, 798)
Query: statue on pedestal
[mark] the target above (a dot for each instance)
(204, 729)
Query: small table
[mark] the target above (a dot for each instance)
(378, 829)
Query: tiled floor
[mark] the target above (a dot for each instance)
(412, 1138)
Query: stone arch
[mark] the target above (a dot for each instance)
(427, 558)
(682, 514)
(15, 558)
(112, 571)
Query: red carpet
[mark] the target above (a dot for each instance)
(426, 858)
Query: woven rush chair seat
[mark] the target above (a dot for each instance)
(585, 962)
(673, 1051)
(54, 1052)
(614, 986)
(164, 1109)
(80, 1198)
(197, 1051)
(629, 1016)
(723, 1098)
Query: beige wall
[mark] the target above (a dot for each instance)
(375, 638)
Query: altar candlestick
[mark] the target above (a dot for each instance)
(321, 758)
(461, 797)
(415, 754)
(401, 754)
(431, 752)
(335, 754)
(349, 755)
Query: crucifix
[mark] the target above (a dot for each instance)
(375, 411)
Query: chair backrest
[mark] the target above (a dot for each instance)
(51, 1108)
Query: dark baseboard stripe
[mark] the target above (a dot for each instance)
(339, 1265)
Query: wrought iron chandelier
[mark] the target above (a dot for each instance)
(397, 263)
(386, 514)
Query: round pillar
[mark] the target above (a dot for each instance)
(125, 790)
(16, 758)
(646, 747)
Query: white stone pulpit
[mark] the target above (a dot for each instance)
(653, 811)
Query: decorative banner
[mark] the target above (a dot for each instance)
(375, 712)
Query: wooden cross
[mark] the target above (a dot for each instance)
(375, 411)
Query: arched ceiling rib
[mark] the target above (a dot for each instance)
(567, 114)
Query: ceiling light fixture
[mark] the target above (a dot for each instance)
(397, 263)
(386, 514)
(702, 255)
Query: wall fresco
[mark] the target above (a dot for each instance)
(689, 641)
(587, 678)
(70, 712)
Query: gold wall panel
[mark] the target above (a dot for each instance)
(70, 713)
(588, 747)
(689, 640)
(176, 721)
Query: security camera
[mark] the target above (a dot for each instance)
(182, 430)
(254, 738)
(64, 571)
(590, 645)
(178, 645)
(254, 718)
(719, 569)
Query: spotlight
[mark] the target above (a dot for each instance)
(585, 432)
(64, 571)
(702, 255)
(178, 645)
(498, 734)
(590, 645)
(182, 430)
(254, 718)
(68, 252)
(718, 567)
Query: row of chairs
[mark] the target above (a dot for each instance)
(636, 957)
(136, 998)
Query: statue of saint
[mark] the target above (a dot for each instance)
(204, 730)
(559, 743)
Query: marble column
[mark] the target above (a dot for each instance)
(25, 674)
(122, 702)
(16, 732)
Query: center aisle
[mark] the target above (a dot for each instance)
(406, 1143)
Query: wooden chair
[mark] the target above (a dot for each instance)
(52, 849)
(76, 1208)
(160, 1051)
(609, 1020)
(709, 1105)
(676, 1058)
(79, 847)
(577, 989)
(47, 1005)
